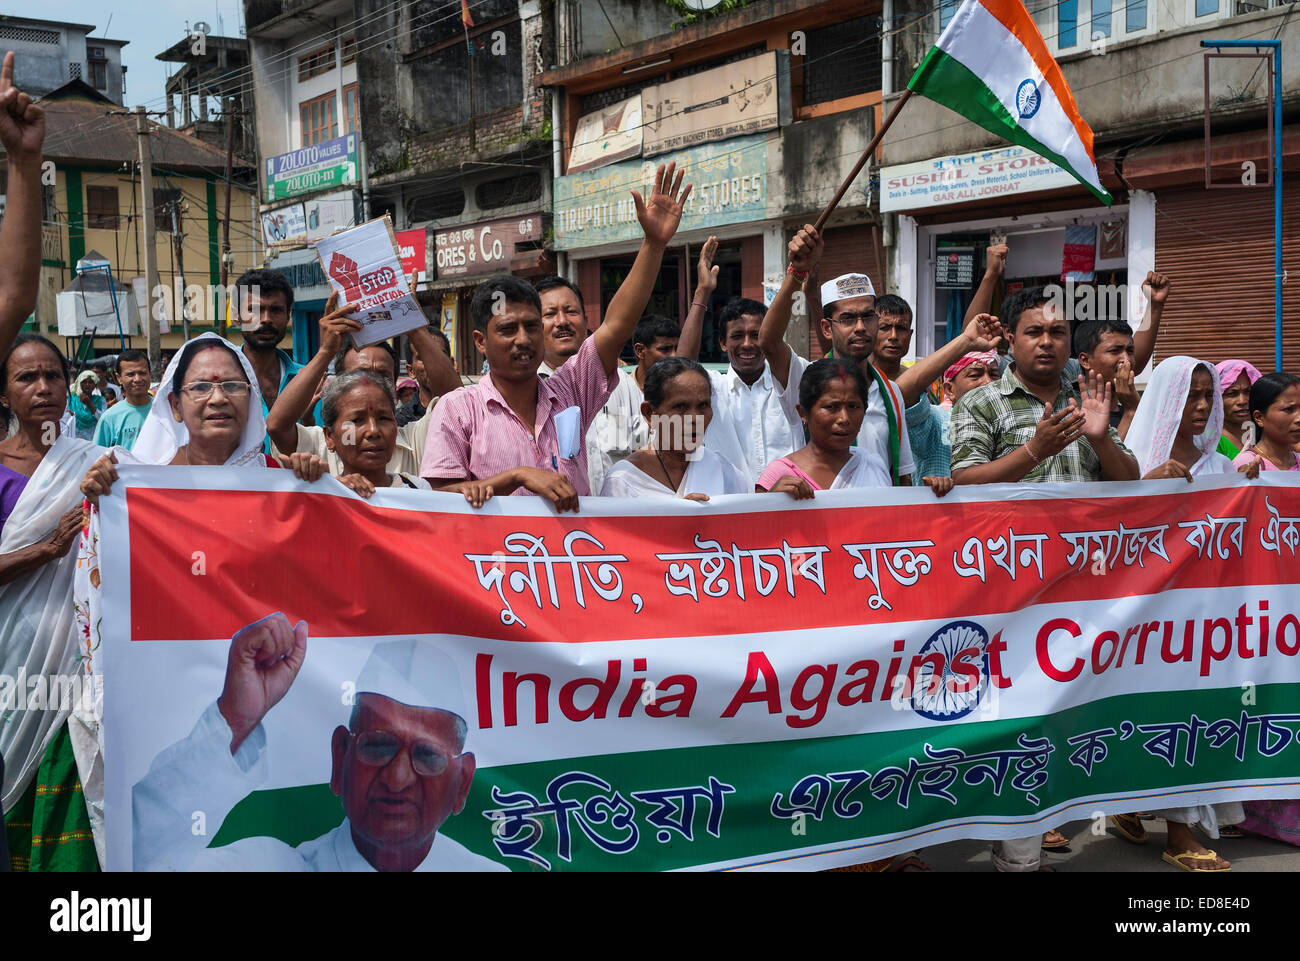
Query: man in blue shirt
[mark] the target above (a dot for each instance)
(122, 422)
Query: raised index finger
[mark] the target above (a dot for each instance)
(7, 72)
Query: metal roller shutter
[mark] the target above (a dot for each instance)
(1217, 248)
(848, 250)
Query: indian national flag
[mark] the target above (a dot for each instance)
(465, 17)
(992, 67)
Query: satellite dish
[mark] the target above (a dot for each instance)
(202, 27)
(701, 5)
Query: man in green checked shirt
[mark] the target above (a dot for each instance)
(1034, 424)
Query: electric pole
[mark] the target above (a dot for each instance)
(150, 250)
(177, 239)
(226, 256)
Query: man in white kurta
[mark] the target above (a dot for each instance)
(398, 768)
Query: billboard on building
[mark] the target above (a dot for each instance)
(318, 167)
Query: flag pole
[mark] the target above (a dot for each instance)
(862, 161)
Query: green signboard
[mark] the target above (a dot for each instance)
(318, 167)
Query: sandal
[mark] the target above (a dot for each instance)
(1129, 827)
(1054, 840)
(1177, 860)
(1231, 831)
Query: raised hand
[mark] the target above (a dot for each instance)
(1055, 432)
(22, 123)
(336, 325)
(1156, 287)
(984, 332)
(995, 259)
(1096, 406)
(805, 248)
(1169, 469)
(264, 659)
(660, 215)
(705, 271)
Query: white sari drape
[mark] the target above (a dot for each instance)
(706, 473)
(1159, 415)
(38, 632)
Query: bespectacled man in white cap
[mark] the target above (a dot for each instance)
(399, 767)
(849, 321)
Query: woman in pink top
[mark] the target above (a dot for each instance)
(832, 403)
(1275, 410)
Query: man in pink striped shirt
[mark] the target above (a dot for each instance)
(499, 436)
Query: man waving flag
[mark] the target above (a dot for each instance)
(992, 67)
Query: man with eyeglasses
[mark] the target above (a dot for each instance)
(849, 321)
(399, 767)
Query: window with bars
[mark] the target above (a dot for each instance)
(351, 119)
(74, 71)
(843, 60)
(439, 206)
(28, 35)
(505, 193)
(102, 208)
(316, 63)
(319, 119)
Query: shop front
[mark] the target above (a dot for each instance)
(950, 210)
(464, 255)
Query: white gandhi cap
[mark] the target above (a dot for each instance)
(845, 286)
(414, 674)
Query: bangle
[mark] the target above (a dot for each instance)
(1031, 454)
(799, 275)
(696, 303)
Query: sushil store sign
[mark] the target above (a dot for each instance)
(730, 186)
(984, 175)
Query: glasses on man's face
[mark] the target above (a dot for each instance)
(852, 320)
(378, 748)
(202, 389)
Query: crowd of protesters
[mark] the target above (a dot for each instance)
(1019, 398)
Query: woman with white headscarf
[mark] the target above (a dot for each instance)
(1175, 433)
(207, 412)
(1176, 430)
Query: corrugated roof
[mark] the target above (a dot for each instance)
(79, 129)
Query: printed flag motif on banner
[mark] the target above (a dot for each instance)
(991, 66)
(751, 683)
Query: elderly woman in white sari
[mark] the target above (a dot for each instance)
(207, 412)
(1174, 434)
(679, 408)
(40, 520)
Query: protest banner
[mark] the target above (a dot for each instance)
(364, 267)
(659, 684)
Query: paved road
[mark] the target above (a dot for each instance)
(1089, 852)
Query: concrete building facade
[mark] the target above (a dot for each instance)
(49, 53)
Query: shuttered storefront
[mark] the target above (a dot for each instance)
(1217, 248)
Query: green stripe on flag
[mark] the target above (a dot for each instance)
(948, 81)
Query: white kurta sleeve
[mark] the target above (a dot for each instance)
(194, 784)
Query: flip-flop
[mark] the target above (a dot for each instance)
(1129, 827)
(1061, 841)
(1209, 856)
